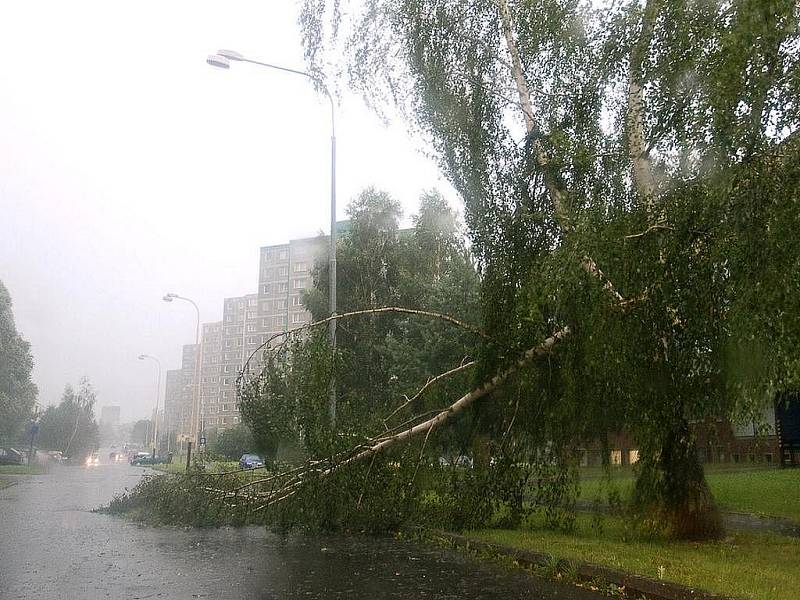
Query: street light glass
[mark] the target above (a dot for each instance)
(216, 60)
(230, 54)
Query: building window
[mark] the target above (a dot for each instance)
(226, 381)
(633, 456)
(300, 267)
(283, 272)
(281, 286)
(265, 305)
(280, 320)
(297, 301)
(280, 304)
(252, 301)
(616, 457)
(299, 284)
(251, 328)
(297, 318)
(265, 289)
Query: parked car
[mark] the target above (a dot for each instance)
(10, 456)
(92, 460)
(250, 461)
(149, 459)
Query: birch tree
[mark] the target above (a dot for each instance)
(629, 182)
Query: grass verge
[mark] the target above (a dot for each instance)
(22, 469)
(757, 566)
(767, 491)
(4, 483)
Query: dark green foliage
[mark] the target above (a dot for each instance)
(709, 264)
(233, 442)
(70, 426)
(17, 391)
(141, 433)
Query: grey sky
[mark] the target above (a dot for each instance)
(129, 168)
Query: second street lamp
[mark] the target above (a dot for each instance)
(158, 394)
(222, 59)
(169, 297)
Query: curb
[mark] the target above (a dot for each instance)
(739, 521)
(634, 585)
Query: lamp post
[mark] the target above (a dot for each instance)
(158, 393)
(169, 297)
(222, 59)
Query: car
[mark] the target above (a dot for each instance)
(149, 459)
(10, 456)
(251, 461)
(92, 460)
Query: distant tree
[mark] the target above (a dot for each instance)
(17, 391)
(233, 442)
(70, 426)
(140, 433)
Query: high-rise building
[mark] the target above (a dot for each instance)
(173, 394)
(184, 411)
(284, 272)
(210, 367)
(241, 336)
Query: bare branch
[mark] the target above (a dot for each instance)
(459, 405)
(431, 381)
(591, 267)
(370, 311)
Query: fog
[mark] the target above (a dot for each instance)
(130, 168)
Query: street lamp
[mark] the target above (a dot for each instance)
(222, 59)
(169, 297)
(158, 393)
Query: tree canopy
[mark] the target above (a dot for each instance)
(17, 392)
(70, 426)
(629, 175)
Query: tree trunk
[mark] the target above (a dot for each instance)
(671, 489)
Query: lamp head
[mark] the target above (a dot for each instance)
(169, 297)
(142, 356)
(215, 60)
(230, 54)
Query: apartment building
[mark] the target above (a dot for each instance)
(183, 424)
(241, 336)
(210, 369)
(173, 394)
(284, 272)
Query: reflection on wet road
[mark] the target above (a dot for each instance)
(52, 546)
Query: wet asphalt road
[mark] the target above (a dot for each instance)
(53, 547)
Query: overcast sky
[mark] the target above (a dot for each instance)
(129, 168)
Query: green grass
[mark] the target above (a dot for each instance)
(4, 483)
(22, 469)
(211, 467)
(757, 566)
(764, 491)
